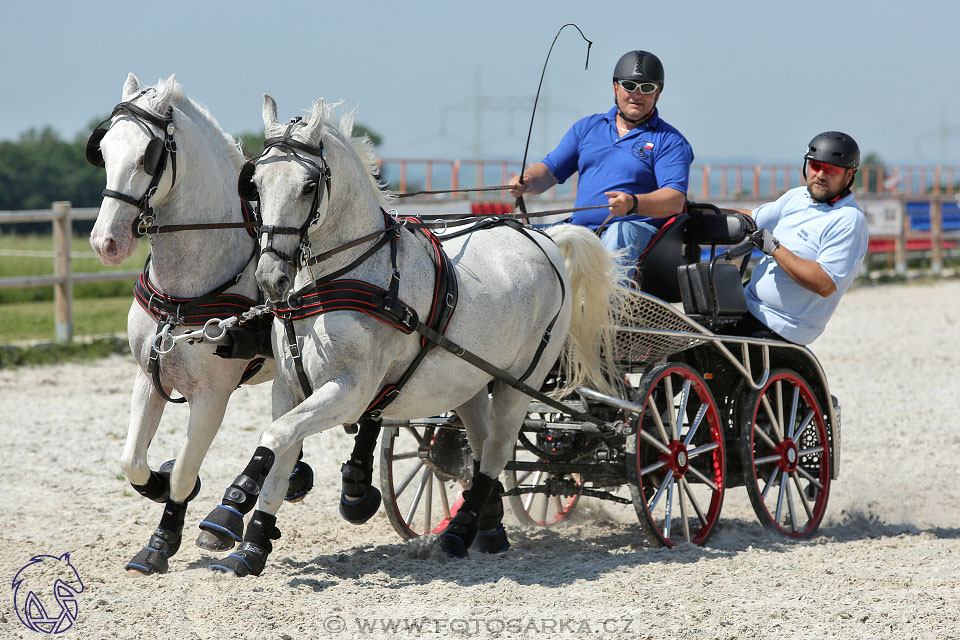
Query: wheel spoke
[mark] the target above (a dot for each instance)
(523, 476)
(780, 497)
(443, 499)
(812, 450)
(666, 479)
(770, 482)
(559, 503)
(802, 426)
(668, 386)
(696, 425)
(408, 478)
(693, 501)
(763, 436)
(803, 496)
(693, 453)
(809, 477)
(406, 455)
(543, 510)
(653, 467)
(793, 515)
(424, 478)
(529, 500)
(794, 401)
(767, 459)
(683, 514)
(704, 479)
(773, 419)
(414, 433)
(779, 396)
(682, 409)
(669, 512)
(428, 513)
(659, 422)
(656, 443)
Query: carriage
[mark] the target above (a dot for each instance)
(702, 412)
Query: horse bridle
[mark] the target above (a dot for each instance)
(154, 157)
(247, 190)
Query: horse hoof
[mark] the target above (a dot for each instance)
(147, 562)
(215, 541)
(223, 523)
(453, 545)
(459, 534)
(248, 559)
(363, 508)
(491, 541)
(301, 482)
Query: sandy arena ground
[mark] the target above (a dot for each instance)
(885, 564)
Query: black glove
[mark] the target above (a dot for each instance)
(764, 241)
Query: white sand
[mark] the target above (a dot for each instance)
(885, 564)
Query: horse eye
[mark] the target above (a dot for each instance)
(309, 188)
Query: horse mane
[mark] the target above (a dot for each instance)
(151, 101)
(338, 122)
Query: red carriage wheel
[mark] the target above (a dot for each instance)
(539, 508)
(786, 455)
(676, 457)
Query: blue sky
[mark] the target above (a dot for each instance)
(745, 80)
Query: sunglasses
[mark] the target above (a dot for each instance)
(630, 86)
(817, 166)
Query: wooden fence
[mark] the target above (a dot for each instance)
(61, 216)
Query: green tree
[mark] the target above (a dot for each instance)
(869, 178)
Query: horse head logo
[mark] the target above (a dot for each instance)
(33, 586)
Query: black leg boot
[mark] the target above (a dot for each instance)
(359, 499)
(491, 537)
(223, 527)
(301, 480)
(164, 542)
(250, 558)
(461, 531)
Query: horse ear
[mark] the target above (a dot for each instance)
(269, 112)
(165, 93)
(130, 88)
(312, 129)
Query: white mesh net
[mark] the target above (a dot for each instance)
(634, 344)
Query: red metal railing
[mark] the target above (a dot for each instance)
(716, 181)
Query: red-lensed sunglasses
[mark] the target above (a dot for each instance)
(830, 169)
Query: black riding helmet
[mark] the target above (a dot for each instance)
(639, 66)
(835, 148)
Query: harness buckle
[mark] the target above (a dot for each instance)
(294, 349)
(449, 301)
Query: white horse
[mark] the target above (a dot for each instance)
(169, 163)
(318, 195)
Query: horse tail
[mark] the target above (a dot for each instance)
(598, 297)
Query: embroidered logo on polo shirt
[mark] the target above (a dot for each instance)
(640, 149)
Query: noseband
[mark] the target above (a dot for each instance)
(319, 171)
(154, 157)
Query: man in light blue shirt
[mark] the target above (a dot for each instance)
(628, 159)
(815, 239)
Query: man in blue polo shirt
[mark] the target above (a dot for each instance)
(628, 159)
(815, 239)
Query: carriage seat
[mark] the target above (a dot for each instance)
(678, 245)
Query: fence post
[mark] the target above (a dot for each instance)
(63, 290)
(936, 234)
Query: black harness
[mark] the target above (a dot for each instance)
(330, 293)
(154, 157)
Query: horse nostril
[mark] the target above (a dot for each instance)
(283, 284)
(110, 247)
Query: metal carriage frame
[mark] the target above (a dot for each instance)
(771, 423)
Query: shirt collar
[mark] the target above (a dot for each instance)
(649, 123)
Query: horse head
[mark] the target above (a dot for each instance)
(291, 181)
(133, 152)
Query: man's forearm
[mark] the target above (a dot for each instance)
(807, 273)
(661, 203)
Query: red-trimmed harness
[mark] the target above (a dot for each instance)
(329, 294)
(187, 312)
